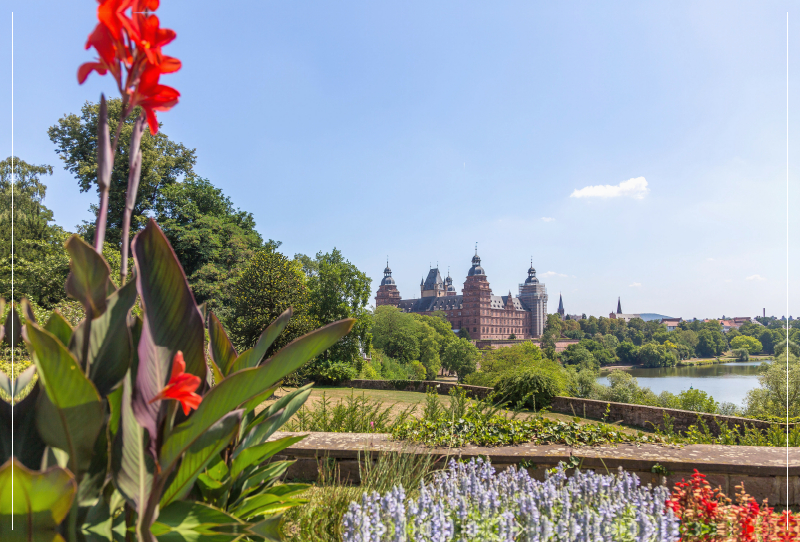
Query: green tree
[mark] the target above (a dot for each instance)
(697, 401)
(41, 264)
(339, 290)
(270, 284)
(462, 357)
(773, 397)
(429, 353)
(463, 333)
(752, 344)
(710, 343)
(394, 332)
(656, 355)
(213, 241)
(164, 162)
(576, 354)
(628, 353)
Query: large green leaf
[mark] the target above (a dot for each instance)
(253, 356)
(193, 519)
(88, 276)
(204, 449)
(172, 322)
(28, 445)
(255, 455)
(59, 327)
(247, 383)
(273, 417)
(70, 414)
(110, 347)
(223, 354)
(274, 500)
(40, 500)
(15, 387)
(131, 466)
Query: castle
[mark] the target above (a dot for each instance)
(484, 316)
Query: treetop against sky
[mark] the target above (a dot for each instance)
(632, 150)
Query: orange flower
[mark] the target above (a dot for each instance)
(181, 386)
(128, 40)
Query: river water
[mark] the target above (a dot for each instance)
(723, 381)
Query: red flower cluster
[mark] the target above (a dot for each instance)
(707, 515)
(129, 47)
(181, 386)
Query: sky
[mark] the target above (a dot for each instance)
(628, 149)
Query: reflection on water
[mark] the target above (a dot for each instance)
(723, 381)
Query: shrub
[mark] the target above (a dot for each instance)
(354, 414)
(741, 354)
(418, 370)
(334, 373)
(369, 372)
(532, 387)
(471, 502)
(752, 344)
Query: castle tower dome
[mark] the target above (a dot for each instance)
(387, 275)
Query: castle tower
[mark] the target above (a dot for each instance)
(477, 298)
(433, 285)
(388, 294)
(533, 296)
(450, 290)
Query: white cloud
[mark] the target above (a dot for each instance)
(755, 277)
(548, 219)
(552, 274)
(635, 285)
(709, 259)
(635, 188)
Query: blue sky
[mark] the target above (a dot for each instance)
(414, 129)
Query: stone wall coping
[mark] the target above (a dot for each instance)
(706, 458)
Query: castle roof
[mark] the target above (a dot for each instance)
(430, 304)
(434, 278)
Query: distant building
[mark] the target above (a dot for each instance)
(485, 316)
(560, 306)
(619, 315)
(671, 323)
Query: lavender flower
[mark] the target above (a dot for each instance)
(470, 502)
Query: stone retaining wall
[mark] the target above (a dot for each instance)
(644, 417)
(762, 470)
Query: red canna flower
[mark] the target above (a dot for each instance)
(181, 386)
(128, 41)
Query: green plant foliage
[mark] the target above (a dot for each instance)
(334, 372)
(752, 344)
(491, 429)
(353, 414)
(460, 356)
(532, 387)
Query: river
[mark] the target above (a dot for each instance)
(723, 381)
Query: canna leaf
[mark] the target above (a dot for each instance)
(40, 500)
(13, 327)
(223, 354)
(204, 449)
(131, 466)
(191, 519)
(273, 417)
(253, 356)
(110, 344)
(28, 445)
(247, 383)
(255, 455)
(88, 276)
(59, 327)
(172, 322)
(70, 414)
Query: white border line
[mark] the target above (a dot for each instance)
(787, 258)
(12, 267)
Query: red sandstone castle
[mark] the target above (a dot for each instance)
(483, 315)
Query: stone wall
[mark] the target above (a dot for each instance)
(762, 470)
(644, 417)
(647, 417)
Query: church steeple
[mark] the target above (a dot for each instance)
(619, 306)
(560, 306)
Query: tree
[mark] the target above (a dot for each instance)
(575, 354)
(752, 344)
(462, 357)
(710, 343)
(310, 265)
(429, 353)
(41, 263)
(339, 290)
(270, 284)
(164, 162)
(628, 353)
(213, 241)
(395, 333)
(656, 355)
(773, 397)
(697, 401)
(463, 333)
